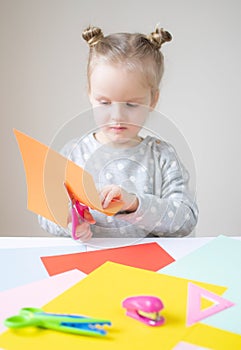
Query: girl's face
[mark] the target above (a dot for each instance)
(122, 101)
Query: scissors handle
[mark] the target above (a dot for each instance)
(80, 209)
(75, 223)
(20, 321)
(25, 318)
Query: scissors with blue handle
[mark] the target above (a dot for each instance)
(77, 210)
(77, 324)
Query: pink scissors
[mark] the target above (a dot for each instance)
(77, 210)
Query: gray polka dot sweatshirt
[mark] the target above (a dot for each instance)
(153, 172)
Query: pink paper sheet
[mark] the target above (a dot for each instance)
(36, 294)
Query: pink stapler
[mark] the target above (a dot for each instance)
(145, 309)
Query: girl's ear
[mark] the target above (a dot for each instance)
(154, 100)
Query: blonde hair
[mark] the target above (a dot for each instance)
(135, 51)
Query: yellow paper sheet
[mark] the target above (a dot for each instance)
(46, 171)
(101, 294)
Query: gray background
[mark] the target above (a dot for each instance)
(43, 86)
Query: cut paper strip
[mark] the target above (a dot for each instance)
(23, 265)
(187, 346)
(194, 311)
(46, 171)
(149, 256)
(36, 294)
(218, 262)
(100, 295)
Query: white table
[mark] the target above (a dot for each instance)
(176, 247)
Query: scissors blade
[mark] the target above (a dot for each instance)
(70, 193)
(75, 202)
(77, 328)
(87, 329)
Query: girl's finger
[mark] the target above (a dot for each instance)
(85, 236)
(115, 193)
(82, 228)
(105, 190)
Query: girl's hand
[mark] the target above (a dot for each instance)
(83, 231)
(113, 192)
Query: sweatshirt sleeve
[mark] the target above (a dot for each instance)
(174, 212)
(53, 228)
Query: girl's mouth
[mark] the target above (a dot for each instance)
(117, 128)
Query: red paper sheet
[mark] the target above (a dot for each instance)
(148, 256)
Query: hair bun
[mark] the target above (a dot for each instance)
(159, 37)
(92, 35)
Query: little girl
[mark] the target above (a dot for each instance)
(124, 72)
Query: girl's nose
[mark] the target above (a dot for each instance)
(117, 112)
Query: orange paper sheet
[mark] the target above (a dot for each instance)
(149, 256)
(46, 171)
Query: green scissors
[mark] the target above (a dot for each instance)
(76, 324)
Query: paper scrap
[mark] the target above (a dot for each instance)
(187, 346)
(148, 256)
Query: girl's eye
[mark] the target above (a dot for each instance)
(104, 102)
(129, 104)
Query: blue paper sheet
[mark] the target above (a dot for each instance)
(23, 265)
(217, 262)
